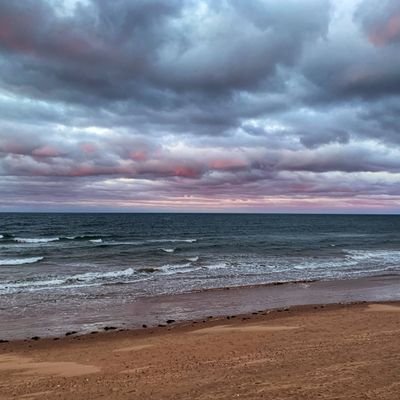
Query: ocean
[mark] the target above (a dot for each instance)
(65, 264)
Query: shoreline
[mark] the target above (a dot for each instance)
(198, 305)
(300, 352)
(111, 332)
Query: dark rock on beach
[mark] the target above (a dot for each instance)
(109, 328)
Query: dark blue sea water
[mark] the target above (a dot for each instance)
(52, 255)
(74, 261)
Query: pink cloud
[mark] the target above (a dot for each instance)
(227, 163)
(386, 32)
(185, 171)
(46, 151)
(139, 155)
(88, 148)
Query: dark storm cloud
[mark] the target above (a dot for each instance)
(199, 104)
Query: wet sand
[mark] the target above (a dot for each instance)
(50, 319)
(303, 352)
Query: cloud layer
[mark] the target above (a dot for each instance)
(200, 105)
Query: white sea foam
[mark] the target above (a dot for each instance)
(215, 266)
(172, 240)
(92, 276)
(383, 255)
(193, 259)
(85, 279)
(172, 269)
(168, 250)
(96, 240)
(36, 240)
(20, 261)
(1, 236)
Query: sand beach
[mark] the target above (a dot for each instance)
(301, 352)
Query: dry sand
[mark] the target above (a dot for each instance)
(331, 352)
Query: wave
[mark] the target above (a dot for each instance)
(171, 240)
(77, 280)
(20, 261)
(36, 240)
(361, 255)
(168, 250)
(94, 276)
(81, 237)
(173, 269)
(215, 266)
(96, 240)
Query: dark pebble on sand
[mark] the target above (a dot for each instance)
(170, 321)
(109, 328)
(56, 338)
(286, 309)
(94, 332)
(70, 333)
(228, 317)
(144, 326)
(35, 338)
(161, 325)
(3, 341)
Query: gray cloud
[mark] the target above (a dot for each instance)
(176, 104)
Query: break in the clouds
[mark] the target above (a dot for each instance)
(200, 105)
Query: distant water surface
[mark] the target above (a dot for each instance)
(87, 260)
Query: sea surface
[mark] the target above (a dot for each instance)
(62, 263)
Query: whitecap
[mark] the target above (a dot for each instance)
(215, 266)
(1, 236)
(171, 240)
(96, 240)
(92, 276)
(172, 269)
(168, 250)
(78, 280)
(193, 259)
(20, 261)
(36, 240)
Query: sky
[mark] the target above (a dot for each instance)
(200, 105)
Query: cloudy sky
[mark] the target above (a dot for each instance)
(200, 105)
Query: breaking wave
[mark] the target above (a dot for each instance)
(20, 261)
(36, 240)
